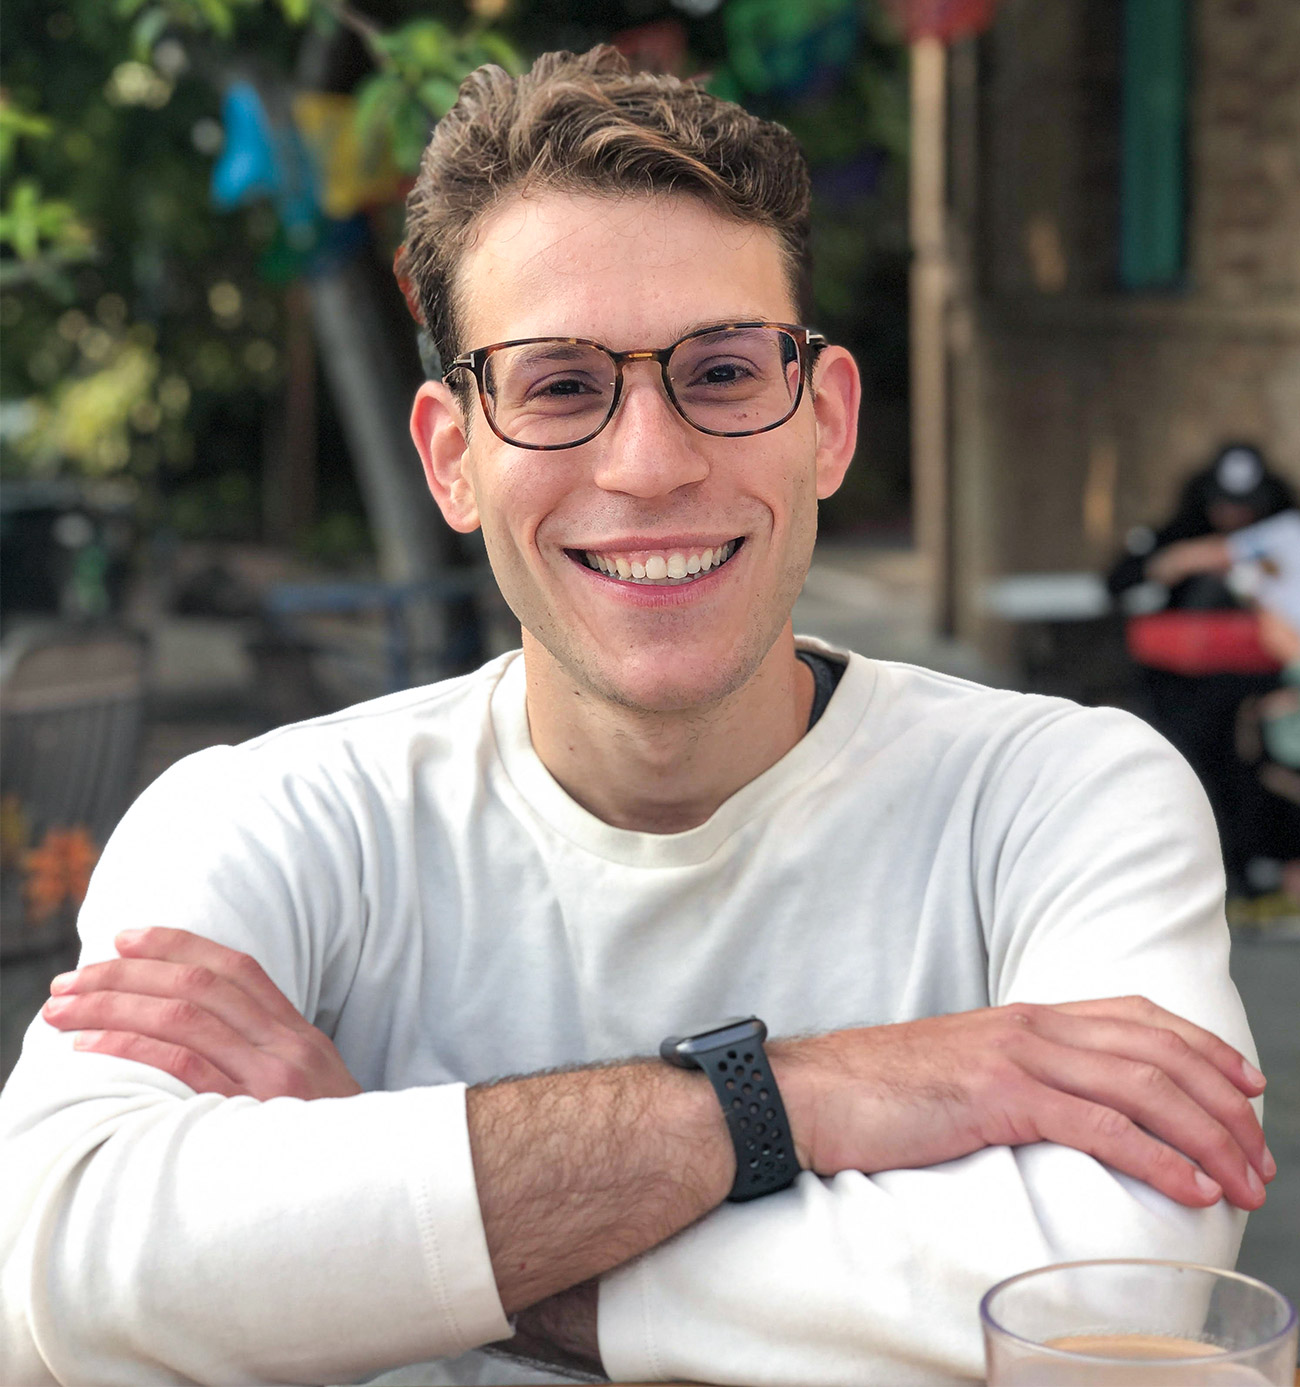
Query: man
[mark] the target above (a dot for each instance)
(264, 1135)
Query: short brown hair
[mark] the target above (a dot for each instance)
(587, 123)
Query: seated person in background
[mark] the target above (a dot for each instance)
(1262, 563)
(1198, 713)
(343, 1080)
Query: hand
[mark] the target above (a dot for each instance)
(1124, 1080)
(1185, 557)
(205, 1014)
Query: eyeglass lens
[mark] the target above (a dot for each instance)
(733, 381)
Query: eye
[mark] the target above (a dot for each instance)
(562, 387)
(724, 374)
(730, 372)
(558, 388)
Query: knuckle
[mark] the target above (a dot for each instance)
(1242, 1114)
(246, 967)
(301, 1053)
(1220, 1144)
(197, 979)
(188, 1067)
(1110, 1125)
(1171, 1044)
(129, 1045)
(180, 1014)
(1162, 1160)
(1149, 1077)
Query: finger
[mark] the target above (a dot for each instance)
(172, 1021)
(1144, 1094)
(1110, 1137)
(1228, 1061)
(191, 982)
(1202, 1081)
(191, 1069)
(242, 970)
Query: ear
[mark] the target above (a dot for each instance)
(438, 430)
(837, 393)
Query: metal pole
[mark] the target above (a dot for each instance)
(929, 297)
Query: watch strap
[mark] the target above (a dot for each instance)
(760, 1130)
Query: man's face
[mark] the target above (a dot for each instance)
(649, 492)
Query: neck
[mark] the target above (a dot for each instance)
(665, 772)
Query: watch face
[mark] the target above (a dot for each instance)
(736, 1030)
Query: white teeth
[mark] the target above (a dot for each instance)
(676, 567)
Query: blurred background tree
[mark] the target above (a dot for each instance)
(151, 269)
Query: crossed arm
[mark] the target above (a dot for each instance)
(577, 1172)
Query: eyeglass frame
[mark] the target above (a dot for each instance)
(807, 342)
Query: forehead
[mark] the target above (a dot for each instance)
(630, 271)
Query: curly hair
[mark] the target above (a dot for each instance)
(585, 123)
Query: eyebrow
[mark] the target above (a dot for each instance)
(700, 324)
(558, 350)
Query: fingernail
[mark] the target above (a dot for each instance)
(1252, 1074)
(128, 936)
(56, 1006)
(1255, 1183)
(1207, 1186)
(1270, 1165)
(86, 1040)
(63, 982)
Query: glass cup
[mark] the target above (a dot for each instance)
(1137, 1323)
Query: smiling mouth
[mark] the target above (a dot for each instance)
(669, 568)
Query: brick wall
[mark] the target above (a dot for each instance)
(1245, 211)
(1079, 409)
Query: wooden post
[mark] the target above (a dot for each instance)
(929, 298)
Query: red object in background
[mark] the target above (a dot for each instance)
(656, 47)
(942, 19)
(1200, 643)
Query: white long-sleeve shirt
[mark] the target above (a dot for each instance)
(415, 881)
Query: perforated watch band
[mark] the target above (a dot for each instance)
(760, 1131)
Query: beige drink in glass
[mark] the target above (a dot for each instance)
(1135, 1323)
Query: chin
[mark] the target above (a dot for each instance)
(647, 686)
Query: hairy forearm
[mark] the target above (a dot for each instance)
(581, 1170)
(559, 1332)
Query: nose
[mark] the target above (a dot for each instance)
(647, 449)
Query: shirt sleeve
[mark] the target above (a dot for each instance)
(1096, 866)
(153, 1235)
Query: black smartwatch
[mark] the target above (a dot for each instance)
(732, 1055)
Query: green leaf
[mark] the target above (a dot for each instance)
(147, 30)
(438, 94)
(498, 49)
(296, 11)
(410, 134)
(219, 16)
